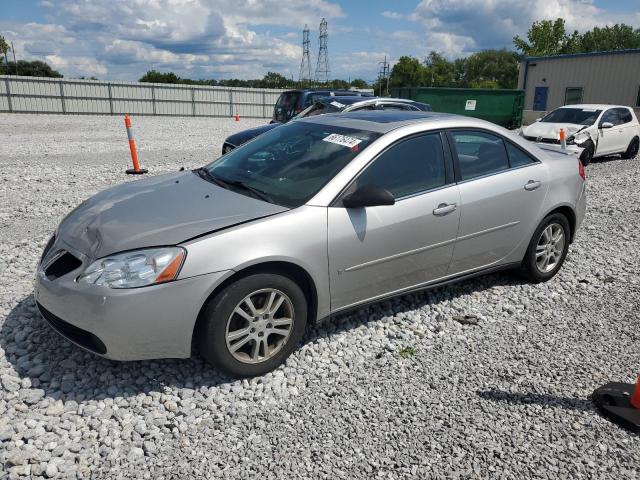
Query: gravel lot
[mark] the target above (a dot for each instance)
(398, 390)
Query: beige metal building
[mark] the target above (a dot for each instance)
(599, 77)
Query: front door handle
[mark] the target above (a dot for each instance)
(532, 185)
(444, 208)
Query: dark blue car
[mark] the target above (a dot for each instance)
(329, 104)
(292, 102)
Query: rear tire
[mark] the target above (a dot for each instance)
(632, 149)
(547, 249)
(587, 155)
(246, 338)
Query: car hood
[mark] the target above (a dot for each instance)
(244, 136)
(161, 210)
(551, 130)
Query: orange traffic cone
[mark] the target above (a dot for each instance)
(136, 170)
(635, 398)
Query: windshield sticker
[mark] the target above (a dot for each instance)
(337, 104)
(343, 140)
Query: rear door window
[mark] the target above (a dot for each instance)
(479, 153)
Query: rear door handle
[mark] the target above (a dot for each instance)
(444, 208)
(532, 185)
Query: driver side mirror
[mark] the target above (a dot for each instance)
(368, 196)
(606, 125)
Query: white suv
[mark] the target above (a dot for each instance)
(599, 129)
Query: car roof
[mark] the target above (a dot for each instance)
(380, 121)
(346, 99)
(350, 100)
(316, 90)
(593, 106)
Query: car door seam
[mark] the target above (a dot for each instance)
(488, 230)
(398, 255)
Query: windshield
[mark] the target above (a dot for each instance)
(291, 163)
(578, 116)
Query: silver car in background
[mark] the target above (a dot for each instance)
(309, 220)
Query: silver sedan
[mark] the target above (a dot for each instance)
(306, 221)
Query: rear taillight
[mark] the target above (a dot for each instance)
(581, 170)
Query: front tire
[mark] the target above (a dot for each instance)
(632, 149)
(587, 154)
(547, 249)
(253, 325)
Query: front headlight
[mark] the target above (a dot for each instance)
(137, 268)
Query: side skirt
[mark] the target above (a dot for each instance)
(419, 288)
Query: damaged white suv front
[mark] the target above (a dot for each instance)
(590, 130)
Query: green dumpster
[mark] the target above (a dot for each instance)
(503, 107)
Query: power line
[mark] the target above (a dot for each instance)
(305, 65)
(322, 67)
(14, 57)
(383, 75)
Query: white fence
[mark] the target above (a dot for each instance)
(51, 95)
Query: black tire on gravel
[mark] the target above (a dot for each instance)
(529, 267)
(211, 336)
(632, 149)
(587, 155)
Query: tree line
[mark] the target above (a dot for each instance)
(270, 80)
(484, 69)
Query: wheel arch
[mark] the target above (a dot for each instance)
(569, 213)
(286, 268)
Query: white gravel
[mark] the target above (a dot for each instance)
(398, 390)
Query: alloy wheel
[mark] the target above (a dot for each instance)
(260, 325)
(550, 247)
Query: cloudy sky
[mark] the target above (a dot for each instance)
(122, 39)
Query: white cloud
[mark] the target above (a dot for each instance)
(392, 15)
(458, 27)
(85, 66)
(124, 38)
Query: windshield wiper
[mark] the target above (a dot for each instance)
(225, 183)
(243, 186)
(206, 175)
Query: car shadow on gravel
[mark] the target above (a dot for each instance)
(542, 399)
(46, 361)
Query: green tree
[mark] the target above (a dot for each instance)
(439, 72)
(4, 48)
(26, 68)
(545, 37)
(617, 37)
(153, 76)
(272, 80)
(550, 38)
(407, 72)
(359, 83)
(492, 69)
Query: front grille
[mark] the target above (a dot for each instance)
(83, 338)
(65, 263)
(543, 140)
